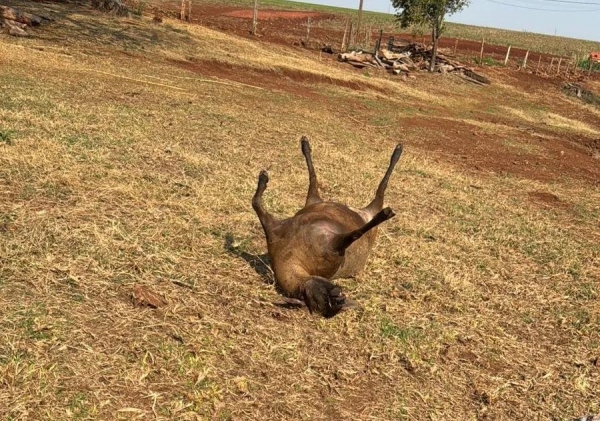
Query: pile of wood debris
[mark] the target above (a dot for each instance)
(404, 59)
(574, 89)
(16, 21)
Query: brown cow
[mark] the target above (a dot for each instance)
(323, 241)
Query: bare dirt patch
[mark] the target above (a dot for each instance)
(473, 148)
(297, 82)
(285, 27)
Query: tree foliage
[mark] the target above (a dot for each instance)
(430, 13)
(426, 12)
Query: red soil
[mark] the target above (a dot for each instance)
(460, 142)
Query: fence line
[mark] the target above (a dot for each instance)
(365, 37)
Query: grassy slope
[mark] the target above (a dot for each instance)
(536, 42)
(119, 169)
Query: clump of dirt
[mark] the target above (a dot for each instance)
(593, 144)
(548, 199)
(544, 197)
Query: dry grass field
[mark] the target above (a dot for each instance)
(129, 153)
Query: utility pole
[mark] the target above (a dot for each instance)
(360, 7)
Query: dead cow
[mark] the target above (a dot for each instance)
(323, 241)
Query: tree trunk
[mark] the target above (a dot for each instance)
(111, 6)
(435, 37)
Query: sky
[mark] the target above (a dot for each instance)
(561, 17)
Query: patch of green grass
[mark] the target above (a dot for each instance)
(581, 319)
(528, 319)
(6, 219)
(83, 140)
(488, 61)
(14, 356)
(417, 172)
(405, 335)
(584, 64)
(56, 190)
(399, 411)
(7, 136)
(585, 211)
(586, 291)
(27, 321)
(80, 407)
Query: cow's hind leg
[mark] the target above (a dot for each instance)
(343, 241)
(313, 186)
(377, 203)
(265, 218)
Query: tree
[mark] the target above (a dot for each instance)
(431, 13)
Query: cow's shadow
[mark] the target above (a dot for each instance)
(258, 262)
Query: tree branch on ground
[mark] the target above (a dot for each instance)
(112, 6)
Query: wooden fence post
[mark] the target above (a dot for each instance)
(481, 52)
(591, 66)
(182, 10)
(307, 31)
(507, 56)
(351, 32)
(345, 38)
(525, 60)
(559, 62)
(378, 43)
(551, 64)
(539, 61)
(455, 45)
(189, 15)
(255, 17)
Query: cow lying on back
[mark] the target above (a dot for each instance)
(323, 241)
